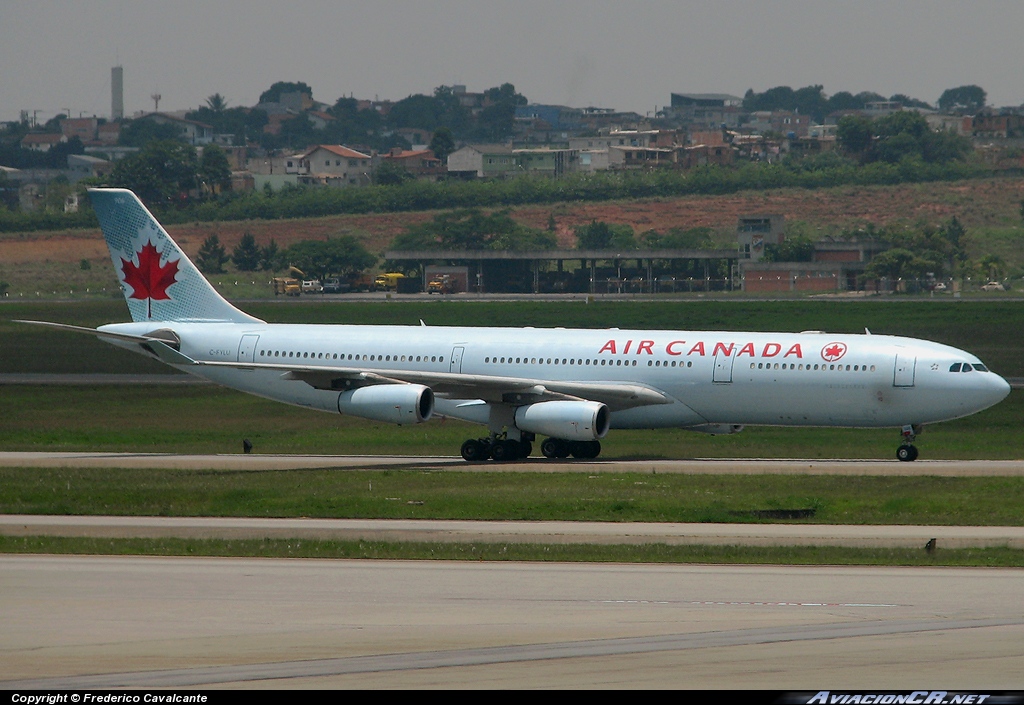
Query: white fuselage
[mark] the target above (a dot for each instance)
(786, 379)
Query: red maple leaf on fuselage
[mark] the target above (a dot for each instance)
(149, 280)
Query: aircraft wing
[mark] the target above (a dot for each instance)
(616, 395)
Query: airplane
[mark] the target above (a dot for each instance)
(570, 385)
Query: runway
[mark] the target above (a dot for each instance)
(699, 466)
(144, 622)
(528, 532)
(91, 622)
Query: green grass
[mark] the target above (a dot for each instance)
(649, 553)
(513, 496)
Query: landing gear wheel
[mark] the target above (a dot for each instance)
(906, 453)
(555, 448)
(525, 449)
(474, 450)
(505, 450)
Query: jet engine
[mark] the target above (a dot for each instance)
(394, 403)
(569, 420)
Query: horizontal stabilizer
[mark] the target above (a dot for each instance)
(160, 343)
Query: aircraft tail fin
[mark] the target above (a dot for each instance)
(159, 281)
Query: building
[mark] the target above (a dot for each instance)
(42, 141)
(420, 163)
(83, 166)
(319, 119)
(782, 122)
(549, 162)
(482, 161)
(708, 110)
(625, 138)
(192, 131)
(1001, 124)
(705, 155)
(755, 231)
(83, 128)
(334, 165)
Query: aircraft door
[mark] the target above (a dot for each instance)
(723, 367)
(456, 360)
(903, 375)
(247, 348)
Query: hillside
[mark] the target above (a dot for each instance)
(988, 208)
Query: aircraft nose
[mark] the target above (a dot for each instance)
(1002, 387)
(993, 391)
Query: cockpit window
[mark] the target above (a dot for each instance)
(955, 367)
(967, 367)
(979, 367)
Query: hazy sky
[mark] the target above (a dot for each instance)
(621, 54)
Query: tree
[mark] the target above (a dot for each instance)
(897, 263)
(217, 103)
(211, 256)
(599, 235)
(472, 229)
(391, 173)
(214, 169)
(273, 94)
(854, 134)
(798, 248)
(163, 172)
(442, 143)
(809, 100)
(956, 236)
(964, 99)
(270, 256)
(343, 255)
(905, 133)
(497, 120)
(246, 254)
(992, 266)
(139, 133)
(908, 102)
(844, 100)
(678, 239)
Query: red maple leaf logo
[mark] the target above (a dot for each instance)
(833, 351)
(149, 280)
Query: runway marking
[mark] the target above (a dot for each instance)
(697, 603)
(186, 677)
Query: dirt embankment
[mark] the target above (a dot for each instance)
(975, 203)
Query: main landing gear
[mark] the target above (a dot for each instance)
(908, 451)
(558, 448)
(504, 449)
(500, 449)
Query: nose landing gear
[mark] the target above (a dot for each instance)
(908, 451)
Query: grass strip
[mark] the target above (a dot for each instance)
(515, 496)
(999, 557)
